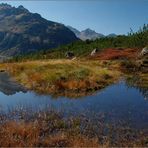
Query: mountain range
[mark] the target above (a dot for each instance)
(89, 34)
(23, 32)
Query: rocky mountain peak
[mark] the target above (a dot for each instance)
(22, 32)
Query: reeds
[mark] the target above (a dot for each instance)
(49, 128)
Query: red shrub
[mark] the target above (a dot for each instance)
(112, 54)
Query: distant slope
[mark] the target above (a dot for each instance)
(86, 34)
(90, 34)
(112, 35)
(75, 31)
(22, 32)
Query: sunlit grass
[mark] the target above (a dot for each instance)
(50, 76)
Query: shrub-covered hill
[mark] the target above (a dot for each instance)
(134, 40)
(22, 32)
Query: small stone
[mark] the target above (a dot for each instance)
(94, 52)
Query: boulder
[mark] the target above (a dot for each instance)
(144, 51)
(94, 52)
(69, 54)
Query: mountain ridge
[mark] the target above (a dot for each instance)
(23, 32)
(89, 34)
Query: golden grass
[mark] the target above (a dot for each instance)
(20, 134)
(56, 76)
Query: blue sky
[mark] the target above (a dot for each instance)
(103, 16)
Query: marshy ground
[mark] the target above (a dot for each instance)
(72, 78)
(25, 128)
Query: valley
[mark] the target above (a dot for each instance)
(61, 87)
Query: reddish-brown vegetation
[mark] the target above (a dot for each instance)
(22, 134)
(113, 54)
(52, 129)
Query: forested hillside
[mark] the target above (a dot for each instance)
(136, 40)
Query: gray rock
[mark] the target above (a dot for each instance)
(144, 51)
(69, 55)
(94, 52)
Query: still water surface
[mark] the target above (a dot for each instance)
(116, 102)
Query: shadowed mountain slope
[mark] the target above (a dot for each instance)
(22, 32)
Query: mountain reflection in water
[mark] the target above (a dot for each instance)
(9, 86)
(117, 102)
